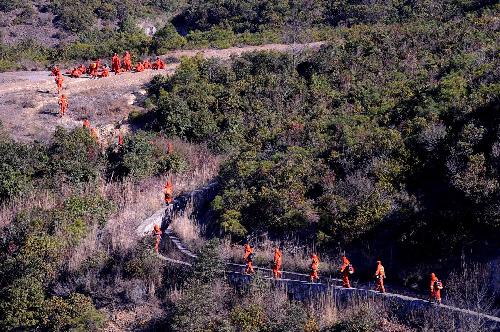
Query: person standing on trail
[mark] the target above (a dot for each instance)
(436, 286)
(63, 105)
(277, 263)
(380, 276)
(314, 275)
(127, 61)
(59, 82)
(346, 269)
(168, 190)
(248, 258)
(157, 236)
(116, 64)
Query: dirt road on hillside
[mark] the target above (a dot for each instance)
(28, 100)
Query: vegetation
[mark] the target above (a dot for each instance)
(99, 28)
(387, 139)
(372, 132)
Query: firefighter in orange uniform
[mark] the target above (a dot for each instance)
(139, 67)
(277, 263)
(116, 64)
(346, 269)
(168, 190)
(314, 275)
(248, 258)
(105, 72)
(55, 71)
(94, 70)
(435, 287)
(59, 82)
(157, 236)
(127, 61)
(63, 105)
(380, 276)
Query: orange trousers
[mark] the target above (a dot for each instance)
(276, 271)
(249, 268)
(157, 243)
(314, 275)
(345, 280)
(436, 295)
(380, 285)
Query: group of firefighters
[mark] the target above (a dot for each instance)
(98, 70)
(345, 269)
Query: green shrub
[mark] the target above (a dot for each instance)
(75, 156)
(209, 265)
(166, 39)
(22, 304)
(76, 313)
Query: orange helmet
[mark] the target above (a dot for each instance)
(156, 227)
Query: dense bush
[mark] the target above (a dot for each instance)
(404, 137)
(143, 155)
(32, 249)
(75, 156)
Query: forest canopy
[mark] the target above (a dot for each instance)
(391, 126)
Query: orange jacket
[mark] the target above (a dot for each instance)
(86, 123)
(76, 73)
(277, 256)
(168, 190)
(315, 262)
(345, 264)
(380, 270)
(115, 61)
(105, 72)
(248, 251)
(433, 286)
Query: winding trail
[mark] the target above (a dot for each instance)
(295, 283)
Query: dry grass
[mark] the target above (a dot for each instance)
(39, 198)
(187, 229)
(136, 200)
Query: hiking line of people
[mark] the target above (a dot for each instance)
(96, 70)
(346, 269)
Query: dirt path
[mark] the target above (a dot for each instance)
(28, 100)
